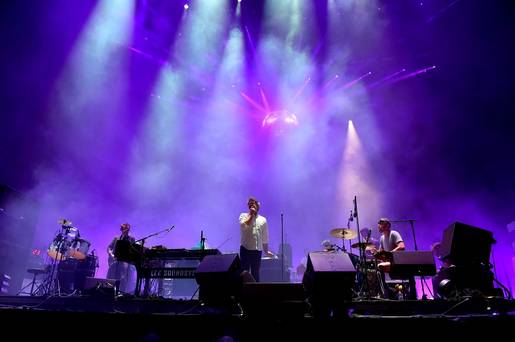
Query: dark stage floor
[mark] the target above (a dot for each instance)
(101, 317)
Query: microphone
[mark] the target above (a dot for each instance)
(351, 217)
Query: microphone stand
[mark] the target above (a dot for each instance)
(412, 230)
(282, 247)
(142, 240)
(53, 284)
(412, 225)
(362, 260)
(223, 243)
(349, 220)
(202, 241)
(361, 254)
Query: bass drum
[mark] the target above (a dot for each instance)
(72, 273)
(88, 265)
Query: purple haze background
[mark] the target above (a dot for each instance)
(143, 112)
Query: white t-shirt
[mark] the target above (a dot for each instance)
(255, 234)
(391, 241)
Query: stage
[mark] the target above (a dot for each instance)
(269, 170)
(136, 319)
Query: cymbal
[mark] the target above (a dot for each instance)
(362, 245)
(342, 233)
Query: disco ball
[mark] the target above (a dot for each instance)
(280, 120)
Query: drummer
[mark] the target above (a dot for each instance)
(391, 241)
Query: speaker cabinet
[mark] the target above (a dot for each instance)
(329, 277)
(463, 244)
(101, 287)
(219, 278)
(455, 281)
(409, 264)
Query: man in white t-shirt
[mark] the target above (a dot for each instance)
(391, 241)
(254, 238)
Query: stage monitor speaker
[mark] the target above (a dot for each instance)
(101, 287)
(455, 281)
(409, 264)
(463, 244)
(219, 278)
(329, 277)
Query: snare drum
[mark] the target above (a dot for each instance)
(79, 249)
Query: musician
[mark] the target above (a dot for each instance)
(391, 241)
(254, 238)
(120, 270)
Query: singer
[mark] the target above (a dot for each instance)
(254, 238)
(118, 269)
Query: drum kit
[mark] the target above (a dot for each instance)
(70, 258)
(68, 243)
(368, 278)
(349, 234)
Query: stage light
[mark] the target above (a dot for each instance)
(186, 6)
(281, 119)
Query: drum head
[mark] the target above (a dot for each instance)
(79, 249)
(58, 249)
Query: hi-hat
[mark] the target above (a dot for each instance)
(364, 245)
(342, 233)
(384, 256)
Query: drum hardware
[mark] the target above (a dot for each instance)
(35, 286)
(384, 256)
(79, 249)
(66, 249)
(369, 279)
(72, 273)
(363, 245)
(360, 262)
(56, 252)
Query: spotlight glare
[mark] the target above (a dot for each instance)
(186, 6)
(281, 119)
